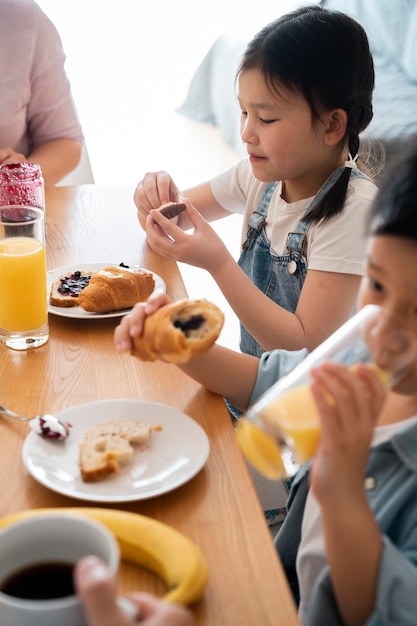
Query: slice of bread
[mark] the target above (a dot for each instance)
(106, 446)
(66, 289)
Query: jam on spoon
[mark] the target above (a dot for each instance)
(47, 426)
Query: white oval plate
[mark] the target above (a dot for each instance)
(77, 311)
(172, 457)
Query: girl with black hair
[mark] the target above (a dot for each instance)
(304, 87)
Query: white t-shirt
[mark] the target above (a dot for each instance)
(311, 556)
(335, 246)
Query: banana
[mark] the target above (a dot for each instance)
(149, 543)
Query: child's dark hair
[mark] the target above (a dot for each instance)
(325, 56)
(394, 210)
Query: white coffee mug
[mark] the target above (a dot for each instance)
(45, 539)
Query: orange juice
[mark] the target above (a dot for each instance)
(295, 414)
(23, 297)
(284, 432)
(260, 449)
(284, 422)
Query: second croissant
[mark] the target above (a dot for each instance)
(116, 288)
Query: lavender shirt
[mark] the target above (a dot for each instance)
(35, 97)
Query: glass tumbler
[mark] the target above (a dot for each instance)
(282, 429)
(22, 183)
(23, 290)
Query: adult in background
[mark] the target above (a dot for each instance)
(38, 120)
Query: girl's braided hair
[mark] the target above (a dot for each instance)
(325, 56)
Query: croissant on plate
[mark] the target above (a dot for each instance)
(179, 332)
(116, 288)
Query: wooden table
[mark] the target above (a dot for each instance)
(218, 508)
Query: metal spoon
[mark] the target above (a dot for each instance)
(47, 426)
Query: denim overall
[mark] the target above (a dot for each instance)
(281, 278)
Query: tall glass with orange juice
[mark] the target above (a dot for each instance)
(23, 292)
(282, 429)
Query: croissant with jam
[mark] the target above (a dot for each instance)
(116, 288)
(179, 332)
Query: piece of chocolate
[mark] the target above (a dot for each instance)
(171, 209)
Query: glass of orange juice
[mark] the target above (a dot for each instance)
(23, 292)
(282, 429)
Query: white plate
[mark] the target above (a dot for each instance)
(171, 458)
(77, 311)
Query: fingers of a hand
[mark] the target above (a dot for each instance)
(363, 392)
(12, 157)
(164, 186)
(325, 402)
(357, 399)
(141, 200)
(148, 603)
(155, 228)
(168, 226)
(146, 193)
(155, 189)
(5, 154)
(332, 392)
(122, 339)
(327, 375)
(338, 379)
(163, 236)
(156, 612)
(98, 594)
(376, 390)
(130, 326)
(155, 302)
(17, 157)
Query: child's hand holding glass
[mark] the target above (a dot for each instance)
(283, 428)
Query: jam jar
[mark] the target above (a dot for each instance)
(22, 184)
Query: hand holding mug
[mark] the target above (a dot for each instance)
(97, 591)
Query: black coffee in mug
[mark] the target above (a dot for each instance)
(41, 581)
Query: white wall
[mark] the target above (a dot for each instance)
(130, 63)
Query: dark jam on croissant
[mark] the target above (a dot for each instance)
(192, 323)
